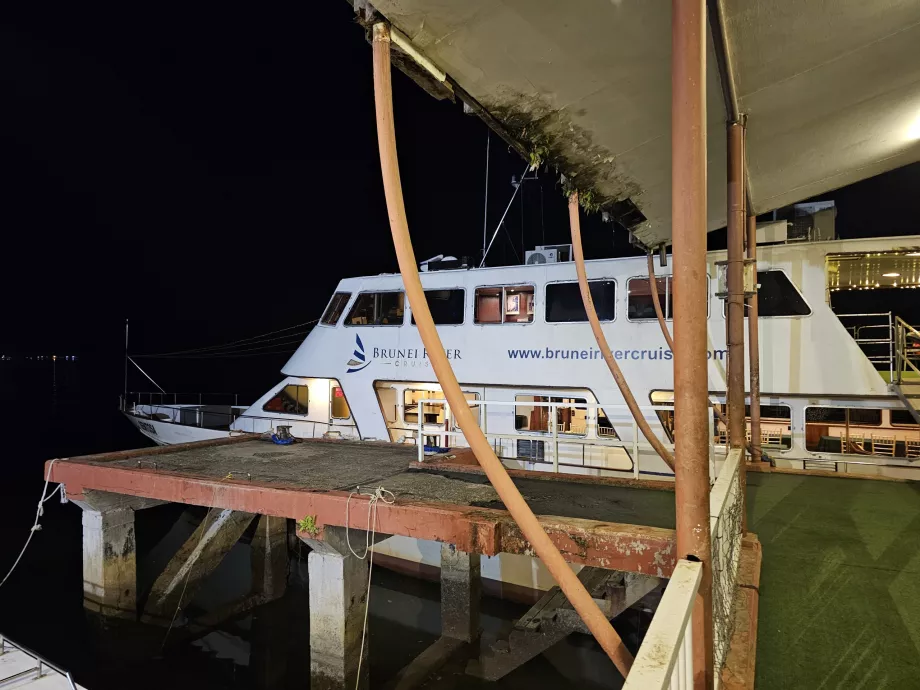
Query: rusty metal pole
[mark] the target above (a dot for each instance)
(688, 223)
(737, 227)
(754, 347)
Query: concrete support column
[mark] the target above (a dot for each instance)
(109, 562)
(461, 587)
(338, 595)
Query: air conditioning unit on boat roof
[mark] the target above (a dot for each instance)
(549, 254)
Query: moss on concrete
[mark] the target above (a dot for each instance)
(840, 584)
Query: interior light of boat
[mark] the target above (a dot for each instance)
(891, 275)
(914, 131)
(912, 254)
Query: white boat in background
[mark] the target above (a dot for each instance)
(21, 668)
(836, 387)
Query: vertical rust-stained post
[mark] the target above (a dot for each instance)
(735, 302)
(754, 346)
(688, 223)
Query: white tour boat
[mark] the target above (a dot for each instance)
(836, 386)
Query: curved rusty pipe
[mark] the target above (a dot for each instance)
(569, 583)
(601, 339)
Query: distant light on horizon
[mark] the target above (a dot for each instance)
(891, 275)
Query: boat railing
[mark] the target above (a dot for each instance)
(160, 398)
(560, 441)
(234, 421)
(875, 333)
(40, 669)
(907, 350)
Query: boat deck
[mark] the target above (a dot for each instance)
(840, 581)
(616, 524)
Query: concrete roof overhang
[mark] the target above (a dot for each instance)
(831, 91)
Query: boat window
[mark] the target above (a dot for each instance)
(775, 426)
(564, 303)
(377, 309)
(446, 306)
(777, 296)
(340, 408)
(902, 418)
(433, 412)
(336, 306)
(570, 419)
(504, 304)
(604, 427)
(826, 426)
(292, 399)
(639, 298)
(666, 417)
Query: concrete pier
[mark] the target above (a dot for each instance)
(109, 552)
(461, 587)
(338, 595)
(270, 557)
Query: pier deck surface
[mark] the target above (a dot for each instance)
(840, 581)
(592, 522)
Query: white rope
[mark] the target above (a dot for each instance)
(379, 494)
(38, 513)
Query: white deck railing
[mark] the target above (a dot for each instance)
(665, 659)
(556, 441)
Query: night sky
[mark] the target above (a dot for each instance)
(211, 173)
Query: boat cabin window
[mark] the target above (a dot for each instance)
(902, 418)
(777, 296)
(433, 413)
(292, 399)
(509, 304)
(564, 304)
(340, 408)
(377, 309)
(336, 306)
(570, 419)
(827, 429)
(640, 306)
(446, 306)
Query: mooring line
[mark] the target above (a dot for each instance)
(379, 494)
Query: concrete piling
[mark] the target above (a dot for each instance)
(461, 587)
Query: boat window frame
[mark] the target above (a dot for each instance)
(616, 299)
(800, 292)
(278, 392)
(900, 425)
(503, 286)
(670, 277)
(549, 432)
(323, 323)
(337, 385)
(437, 289)
(377, 325)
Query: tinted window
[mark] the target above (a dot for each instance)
(838, 415)
(777, 296)
(511, 304)
(339, 404)
(336, 307)
(291, 400)
(446, 306)
(903, 417)
(377, 309)
(564, 304)
(639, 298)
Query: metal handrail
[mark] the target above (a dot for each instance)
(903, 333)
(552, 434)
(890, 341)
(42, 662)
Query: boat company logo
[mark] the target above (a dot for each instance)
(397, 357)
(358, 359)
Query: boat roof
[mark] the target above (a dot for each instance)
(831, 97)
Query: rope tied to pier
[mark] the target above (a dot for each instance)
(36, 527)
(379, 494)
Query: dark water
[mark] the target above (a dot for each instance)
(67, 409)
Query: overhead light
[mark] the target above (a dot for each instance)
(891, 275)
(914, 131)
